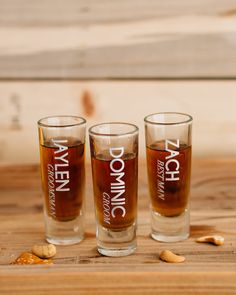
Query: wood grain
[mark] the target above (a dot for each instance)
(117, 39)
(212, 104)
(72, 12)
(208, 269)
(120, 283)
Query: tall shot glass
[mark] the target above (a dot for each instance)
(62, 147)
(168, 151)
(114, 156)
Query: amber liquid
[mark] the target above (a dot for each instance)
(68, 204)
(174, 199)
(102, 180)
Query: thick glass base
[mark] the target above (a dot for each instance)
(116, 243)
(170, 229)
(64, 232)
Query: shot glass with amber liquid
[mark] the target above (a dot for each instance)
(62, 155)
(114, 157)
(169, 153)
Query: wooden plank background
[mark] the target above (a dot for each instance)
(23, 103)
(69, 57)
(72, 39)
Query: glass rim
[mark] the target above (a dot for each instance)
(135, 129)
(188, 119)
(80, 122)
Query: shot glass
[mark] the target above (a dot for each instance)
(114, 157)
(168, 152)
(62, 155)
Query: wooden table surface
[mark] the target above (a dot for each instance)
(79, 269)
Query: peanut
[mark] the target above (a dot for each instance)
(170, 257)
(44, 251)
(216, 240)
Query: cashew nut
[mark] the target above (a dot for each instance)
(216, 240)
(170, 257)
(44, 251)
